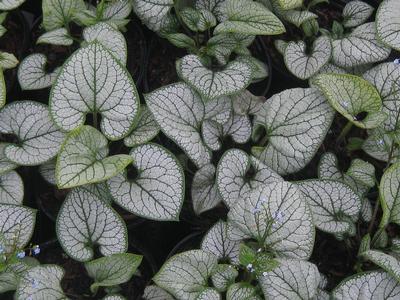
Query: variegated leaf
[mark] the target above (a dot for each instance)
(114, 297)
(10, 4)
(83, 159)
(93, 81)
(6, 165)
(153, 292)
(209, 294)
(3, 90)
(180, 111)
(278, 216)
(388, 23)
(289, 4)
(11, 188)
(356, 13)
(116, 12)
(389, 190)
(297, 17)
(57, 13)
(219, 110)
(85, 221)
(223, 277)
(8, 60)
(38, 139)
(234, 77)
(387, 262)
(379, 145)
(157, 192)
(304, 65)
(363, 172)
(351, 95)
(153, 13)
(48, 171)
(245, 103)
(57, 36)
(238, 174)
(32, 74)
(214, 6)
(173, 276)
(242, 291)
(296, 122)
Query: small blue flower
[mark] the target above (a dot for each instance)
(380, 142)
(21, 254)
(36, 250)
(397, 61)
(35, 283)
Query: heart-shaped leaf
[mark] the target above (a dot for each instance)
(57, 13)
(8, 60)
(144, 130)
(32, 74)
(296, 122)
(11, 188)
(388, 23)
(389, 190)
(179, 111)
(173, 276)
(238, 174)
(83, 159)
(356, 13)
(110, 38)
(58, 37)
(334, 205)
(85, 222)
(153, 13)
(41, 282)
(248, 17)
(242, 291)
(292, 279)
(204, 193)
(112, 270)
(157, 192)
(216, 241)
(10, 4)
(359, 47)
(6, 165)
(233, 78)
(38, 138)
(276, 215)
(153, 292)
(351, 95)
(304, 65)
(93, 81)
(367, 285)
(387, 262)
(386, 79)
(16, 225)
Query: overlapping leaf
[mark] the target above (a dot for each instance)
(223, 277)
(153, 292)
(8, 60)
(57, 13)
(379, 145)
(11, 188)
(57, 36)
(6, 165)
(356, 13)
(10, 4)
(84, 222)
(389, 191)
(153, 13)
(93, 81)
(388, 23)
(387, 262)
(242, 291)
(289, 4)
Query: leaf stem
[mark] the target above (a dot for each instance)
(344, 132)
(263, 141)
(95, 120)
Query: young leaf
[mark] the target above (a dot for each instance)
(388, 23)
(38, 139)
(297, 17)
(359, 47)
(292, 279)
(8, 60)
(157, 192)
(32, 74)
(367, 285)
(214, 6)
(235, 77)
(334, 205)
(93, 81)
(233, 179)
(289, 4)
(248, 17)
(277, 216)
(58, 36)
(179, 111)
(296, 122)
(153, 13)
(304, 65)
(16, 225)
(10, 4)
(173, 276)
(112, 270)
(389, 190)
(144, 129)
(11, 188)
(356, 13)
(242, 291)
(363, 172)
(6, 165)
(217, 242)
(181, 40)
(85, 222)
(83, 159)
(110, 38)
(116, 12)
(41, 282)
(223, 277)
(57, 13)
(351, 95)
(204, 192)
(153, 292)
(379, 145)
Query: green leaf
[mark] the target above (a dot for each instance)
(11, 188)
(246, 255)
(112, 270)
(289, 4)
(368, 285)
(57, 13)
(356, 13)
(198, 20)
(57, 36)
(153, 13)
(179, 111)
(242, 291)
(86, 221)
(41, 282)
(334, 205)
(238, 174)
(298, 17)
(157, 192)
(6, 165)
(3, 89)
(83, 159)
(296, 122)
(173, 276)
(379, 145)
(388, 23)
(389, 190)
(181, 40)
(249, 17)
(209, 294)
(292, 279)
(276, 215)
(10, 4)
(387, 262)
(116, 13)
(304, 65)
(363, 172)
(93, 81)
(245, 103)
(8, 60)
(223, 277)
(153, 292)
(38, 139)
(351, 95)
(214, 6)
(233, 78)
